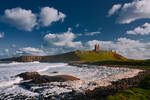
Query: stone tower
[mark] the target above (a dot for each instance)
(96, 48)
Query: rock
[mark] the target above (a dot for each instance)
(54, 72)
(36, 78)
(57, 78)
(99, 93)
(29, 75)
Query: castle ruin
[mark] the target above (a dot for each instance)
(31, 58)
(96, 49)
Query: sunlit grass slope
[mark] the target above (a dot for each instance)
(141, 93)
(92, 56)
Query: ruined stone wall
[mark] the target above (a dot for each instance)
(31, 58)
(96, 48)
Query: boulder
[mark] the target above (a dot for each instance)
(36, 78)
(54, 72)
(57, 78)
(29, 75)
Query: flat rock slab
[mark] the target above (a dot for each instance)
(36, 78)
(29, 75)
(57, 78)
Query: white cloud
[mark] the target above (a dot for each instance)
(129, 48)
(59, 43)
(20, 18)
(25, 20)
(107, 45)
(137, 9)
(92, 33)
(49, 15)
(2, 34)
(30, 51)
(142, 30)
(114, 9)
(65, 40)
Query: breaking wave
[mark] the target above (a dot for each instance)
(10, 82)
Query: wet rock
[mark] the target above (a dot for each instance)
(36, 79)
(29, 75)
(54, 72)
(99, 93)
(57, 78)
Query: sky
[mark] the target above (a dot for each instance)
(49, 27)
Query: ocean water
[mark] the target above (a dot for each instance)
(90, 77)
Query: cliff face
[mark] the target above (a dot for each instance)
(30, 58)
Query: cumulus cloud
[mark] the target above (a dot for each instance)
(49, 15)
(106, 45)
(59, 43)
(114, 9)
(137, 9)
(127, 47)
(30, 51)
(142, 30)
(20, 18)
(65, 40)
(2, 34)
(23, 19)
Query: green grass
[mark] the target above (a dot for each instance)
(91, 56)
(132, 94)
(109, 58)
(146, 83)
(128, 63)
(141, 93)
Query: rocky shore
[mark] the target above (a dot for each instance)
(86, 64)
(33, 81)
(99, 93)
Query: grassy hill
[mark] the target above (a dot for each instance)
(84, 56)
(91, 56)
(101, 57)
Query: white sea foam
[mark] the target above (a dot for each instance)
(89, 77)
(9, 83)
(51, 66)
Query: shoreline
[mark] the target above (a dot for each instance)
(86, 64)
(99, 92)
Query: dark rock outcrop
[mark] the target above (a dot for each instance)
(57, 78)
(100, 93)
(35, 78)
(29, 75)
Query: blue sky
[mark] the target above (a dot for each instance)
(47, 27)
